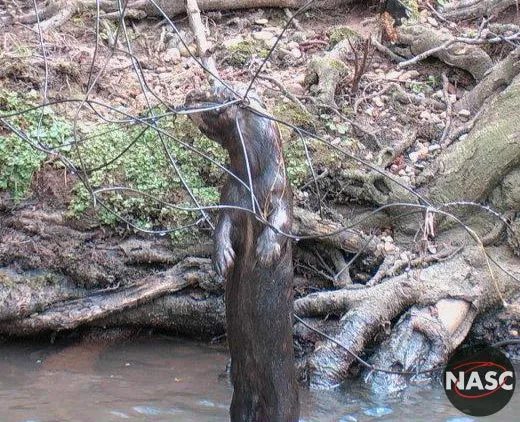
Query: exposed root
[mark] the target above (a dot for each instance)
(434, 331)
(73, 313)
(498, 79)
(469, 9)
(366, 311)
(425, 42)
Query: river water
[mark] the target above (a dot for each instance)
(162, 379)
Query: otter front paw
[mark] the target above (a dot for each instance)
(268, 248)
(224, 259)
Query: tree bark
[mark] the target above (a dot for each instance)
(176, 7)
(469, 9)
(470, 169)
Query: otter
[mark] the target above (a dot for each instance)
(254, 259)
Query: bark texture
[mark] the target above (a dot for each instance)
(470, 169)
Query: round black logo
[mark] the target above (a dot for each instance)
(479, 381)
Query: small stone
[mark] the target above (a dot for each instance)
(262, 21)
(184, 51)
(296, 53)
(425, 115)
(409, 75)
(432, 22)
(292, 44)
(378, 102)
(262, 35)
(389, 247)
(435, 118)
(434, 147)
(172, 55)
(299, 36)
(414, 157)
(295, 88)
(300, 79)
(464, 113)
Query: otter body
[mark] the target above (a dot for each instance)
(255, 260)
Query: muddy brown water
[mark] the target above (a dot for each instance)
(162, 379)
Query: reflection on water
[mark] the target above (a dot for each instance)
(174, 380)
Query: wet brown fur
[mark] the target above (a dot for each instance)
(256, 261)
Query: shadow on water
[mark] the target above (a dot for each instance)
(161, 379)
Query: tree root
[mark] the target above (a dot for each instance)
(487, 154)
(433, 332)
(366, 311)
(60, 11)
(425, 42)
(326, 73)
(310, 224)
(469, 9)
(87, 308)
(498, 79)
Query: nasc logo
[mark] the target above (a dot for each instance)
(479, 381)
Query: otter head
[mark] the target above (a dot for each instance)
(215, 112)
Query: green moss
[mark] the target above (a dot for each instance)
(292, 113)
(6, 280)
(145, 166)
(296, 163)
(413, 8)
(338, 65)
(241, 53)
(340, 33)
(18, 160)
